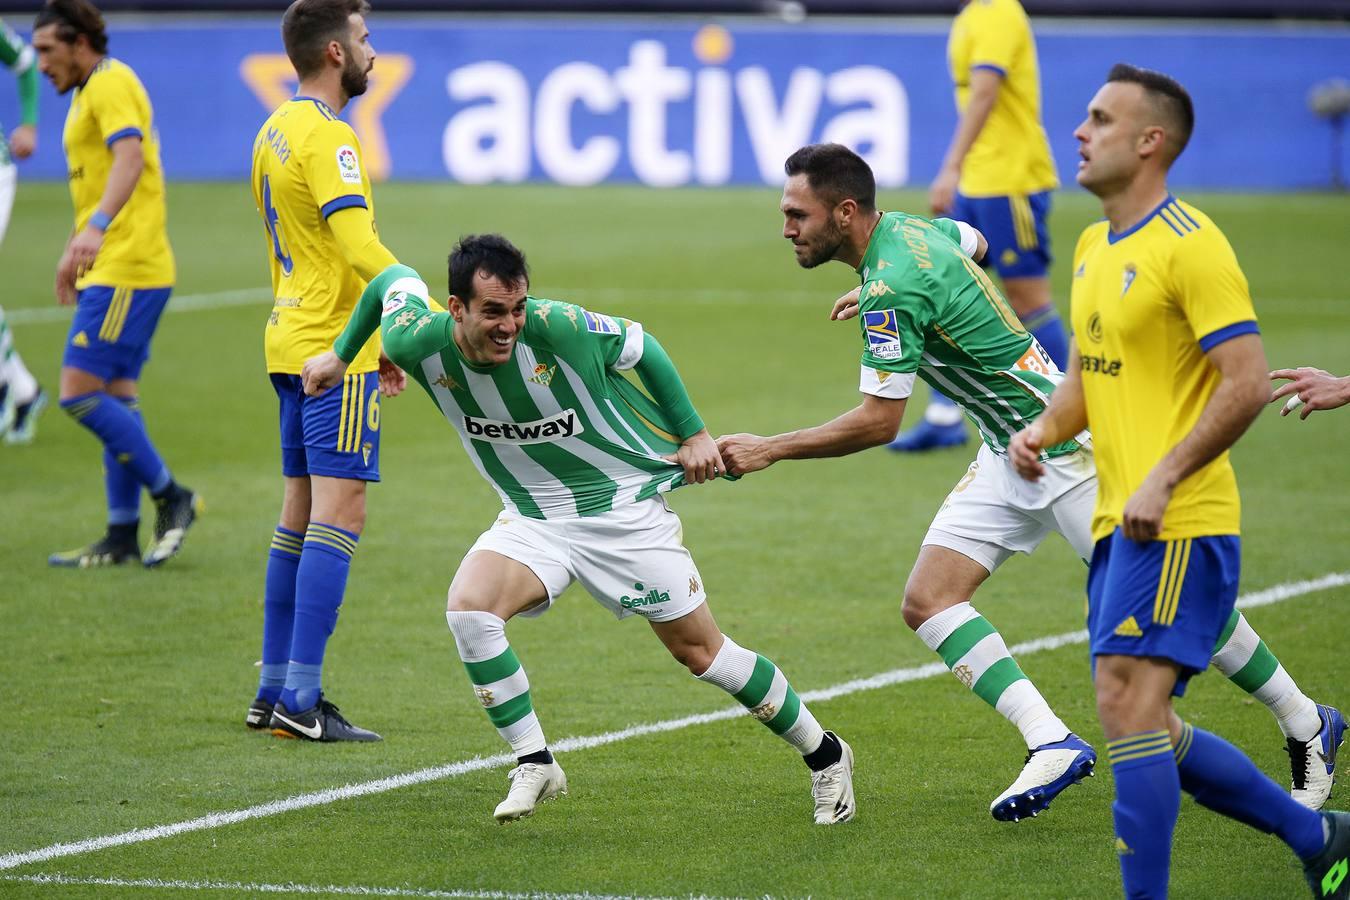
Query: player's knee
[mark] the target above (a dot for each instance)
(918, 607)
(474, 631)
(1114, 695)
(696, 657)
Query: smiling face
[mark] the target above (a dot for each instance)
(488, 325)
(809, 223)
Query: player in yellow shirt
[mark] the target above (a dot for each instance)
(997, 175)
(1168, 370)
(118, 269)
(313, 193)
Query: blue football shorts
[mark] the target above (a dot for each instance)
(1168, 599)
(1015, 227)
(110, 334)
(336, 434)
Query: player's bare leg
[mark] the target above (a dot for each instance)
(487, 591)
(698, 644)
(937, 606)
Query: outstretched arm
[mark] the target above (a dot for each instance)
(698, 453)
(872, 423)
(1065, 417)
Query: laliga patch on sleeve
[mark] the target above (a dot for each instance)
(883, 334)
(395, 303)
(349, 168)
(602, 324)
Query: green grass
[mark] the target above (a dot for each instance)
(126, 689)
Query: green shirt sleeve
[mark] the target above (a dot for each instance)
(20, 58)
(948, 227)
(662, 380)
(896, 312)
(396, 301)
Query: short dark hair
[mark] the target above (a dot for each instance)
(488, 253)
(1169, 99)
(309, 25)
(73, 18)
(836, 173)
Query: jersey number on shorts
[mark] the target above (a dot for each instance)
(274, 229)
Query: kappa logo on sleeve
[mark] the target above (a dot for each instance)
(883, 334)
(602, 324)
(349, 167)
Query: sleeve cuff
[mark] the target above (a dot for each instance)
(990, 67)
(689, 426)
(632, 348)
(1215, 338)
(122, 133)
(344, 202)
(888, 385)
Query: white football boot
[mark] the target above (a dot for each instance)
(832, 789)
(1313, 762)
(531, 784)
(1049, 769)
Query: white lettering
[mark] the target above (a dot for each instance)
(561, 159)
(775, 133)
(648, 84)
(712, 126)
(879, 131)
(489, 141)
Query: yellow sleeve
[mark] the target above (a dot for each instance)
(111, 98)
(334, 170)
(995, 36)
(354, 228)
(1210, 289)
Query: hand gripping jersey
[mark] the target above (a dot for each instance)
(1147, 304)
(929, 309)
(558, 430)
(112, 105)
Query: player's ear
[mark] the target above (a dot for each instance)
(457, 308)
(1151, 141)
(845, 211)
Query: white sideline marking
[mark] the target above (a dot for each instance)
(290, 888)
(185, 303)
(1265, 597)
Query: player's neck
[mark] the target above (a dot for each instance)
(327, 90)
(1132, 205)
(860, 238)
(88, 65)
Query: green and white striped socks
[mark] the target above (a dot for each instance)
(760, 686)
(976, 654)
(498, 678)
(1243, 657)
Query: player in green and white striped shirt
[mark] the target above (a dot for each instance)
(580, 457)
(927, 309)
(21, 398)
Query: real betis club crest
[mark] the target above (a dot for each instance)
(543, 374)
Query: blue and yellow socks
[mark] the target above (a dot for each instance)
(1148, 797)
(283, 563)
(1221, 777)
(320, 582)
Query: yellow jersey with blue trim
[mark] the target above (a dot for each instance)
(306, 166)
(1147, 305)
(1012, 154)
(110, 106)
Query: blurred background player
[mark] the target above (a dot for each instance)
(997, 175)
(21, 397)
(581, 459)
(312, 191)
(1168, 379)
(119, 270)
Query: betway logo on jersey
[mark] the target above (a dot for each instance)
(668, 125)
(565, 424)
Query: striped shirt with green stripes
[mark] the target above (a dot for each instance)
(927, 308)
(558, 430)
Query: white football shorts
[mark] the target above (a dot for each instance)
(631, 559)
(993, 512)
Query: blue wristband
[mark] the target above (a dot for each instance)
(100, 220)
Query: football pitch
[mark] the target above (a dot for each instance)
(126, 769)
